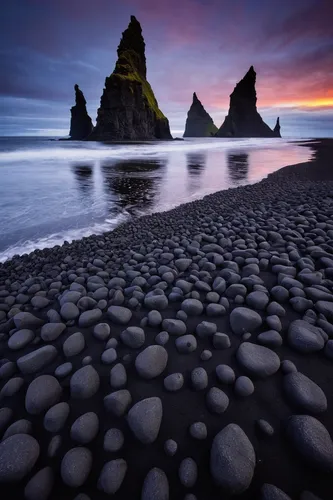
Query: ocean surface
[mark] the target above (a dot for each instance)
(52, 191)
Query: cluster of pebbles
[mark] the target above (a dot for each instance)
(177, 356)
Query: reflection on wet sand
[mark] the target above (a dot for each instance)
(195, 163)
(84, 177)
(133, 185)
(238, 166)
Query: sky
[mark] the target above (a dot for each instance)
(202, 46)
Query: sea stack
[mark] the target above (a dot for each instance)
(199, 123)
(81, 125)
(243, 119)
(277, 128)
(128, 109)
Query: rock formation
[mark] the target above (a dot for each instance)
(128, 109)
(243, 119)
(199, 123)
(277, 128)
(81, 125)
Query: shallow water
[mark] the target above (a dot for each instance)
(52, 191)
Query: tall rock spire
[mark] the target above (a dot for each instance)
(277, 128)
(199, 123)
(128, 109)
(81, 125)
(243, 119)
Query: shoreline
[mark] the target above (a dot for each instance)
(304, 143)
(267, 247)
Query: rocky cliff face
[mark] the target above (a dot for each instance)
(277, 128)
(243, 119)
(199, 123)
(81, 125)
(128, 109)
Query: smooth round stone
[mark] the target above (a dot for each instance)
(244, 320)
(102, 331)
(257, 360)
(304, 337)
(274, 323)
(85, 428)
(36, 360)
(76, 466)
(113, 440)
(158, 302)
(112, 343)
(199, 379)
(69, 311)
(55, 418)
(174, 382)
(155, 486)
(265, 427)
(43, 392)
(221, 341)
(217, 401)
(206, 329)
(26, 320)
(51, 331)
(6, 415)
(181, 315)
(63, 370)
(170, 447)
(214, 310)
(109, 356)
(232, 460)
(54, 446)
(304, 393)
(133, 337)
(312, 441)
(257, 300)
(151, 362)
(18, 455)
(244, 386)
(89, 318)
(22, 426)
(183, 264)
(118, 402)
(174, 326)
(225, 374)
(192, 307)
(271, 338)
(11, 387)
(154, 318)
(275, 309)
(118, 376)
(206, 355)
(288, 367)
(73, 345)
(84, 383)
(188, 472)
(198, 430)
(20, 339)
(112, 476)
(40, 485)
(186, 344)
(119, 315)
(162, 338)
(144, 419)
(87, 360)
(271, 492)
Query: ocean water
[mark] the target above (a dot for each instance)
(52, 191)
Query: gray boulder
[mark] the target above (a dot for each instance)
(257, 360)
(84, 383)
(73, 345)
(144, 419)
(312, 441)
(36, 360)
(18, 455)
(155, 486)
(51, 331)
(89, 318)
(133, 337)
(188, 472)
(304, 393)
(55, 418)
(26, 320)
(174, 382)
(118, 402)
(113, 440)
(217, 401)
(85, 428)
(244, 320)
(40, 485)
(76, 466)
(232, 460)
(112, 476)
(174, 326)
(43, 392)
(304, 337)
(151, 362)
(20, 339)
(186, 344)
(119, 315)
(192, 307)
(271, 492)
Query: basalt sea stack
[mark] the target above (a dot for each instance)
(199, 123)
(128, 109)
(243, 119)
(81, 125)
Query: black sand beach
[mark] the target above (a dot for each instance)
(267, 247)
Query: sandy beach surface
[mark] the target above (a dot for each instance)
(218, 313)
